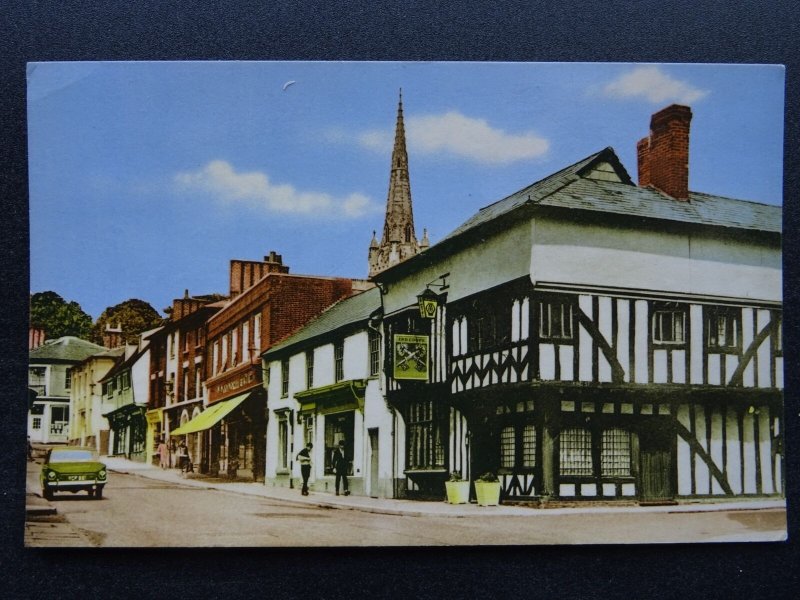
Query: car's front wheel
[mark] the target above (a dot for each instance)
(98, 493)
(91, 493)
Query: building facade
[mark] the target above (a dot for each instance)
(50, 379)
(88, 427)
(597, 339)
(267, 304)
(324, 386)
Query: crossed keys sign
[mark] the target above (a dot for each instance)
(408, 357)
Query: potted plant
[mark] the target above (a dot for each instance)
(487, 489)
(457, 489)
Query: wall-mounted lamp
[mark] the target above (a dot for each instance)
(428, 300)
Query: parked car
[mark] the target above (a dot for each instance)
(73, 469)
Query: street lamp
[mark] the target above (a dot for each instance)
(428, 302)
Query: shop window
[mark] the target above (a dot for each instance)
(556, 320)
(668, 324)
(507, 447)
(284, 377)
(615, 454)
(338, 427)
(374, 353)
(724, 327)
(424, 431)
(529, 446)
(338, 360)
(575, 452)
(59, 420)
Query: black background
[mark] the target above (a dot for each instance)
(744, 31)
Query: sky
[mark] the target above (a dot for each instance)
(147, 178)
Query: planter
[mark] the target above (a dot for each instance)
(488, 493)
(457, 492)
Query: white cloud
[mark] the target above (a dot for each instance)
(255, 189)
(652, 84)
(464, 137)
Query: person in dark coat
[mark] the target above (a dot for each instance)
(304, 458)
(340, 467)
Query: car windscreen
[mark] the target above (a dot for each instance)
(72, 456)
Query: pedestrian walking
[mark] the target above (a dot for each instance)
(183, 456)
(163, 454)
(304, 458)
(340, 467)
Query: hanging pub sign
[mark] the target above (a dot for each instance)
(410, 357)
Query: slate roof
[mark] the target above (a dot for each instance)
(352, 309)
(569, 188)
(64, 349)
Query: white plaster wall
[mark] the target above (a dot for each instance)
(323, 365)
(140, 378)
(356, 356)
(482, 265)
(724, 264)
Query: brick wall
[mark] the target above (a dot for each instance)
(664, 154)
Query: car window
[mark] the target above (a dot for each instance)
(72, 456)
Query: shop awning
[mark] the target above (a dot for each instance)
(211, 416)
(337, 397)
(121, 416)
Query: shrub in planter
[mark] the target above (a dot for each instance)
(487, 489)
(457, 489)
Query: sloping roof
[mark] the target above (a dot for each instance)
(66, 349)
(352, 309)
(570, 188)
(123, 363)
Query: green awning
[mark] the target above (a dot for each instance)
(337, 397)
(211, 416)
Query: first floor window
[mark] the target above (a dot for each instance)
(615, 453)
(669, 325)
(374, 353)
(575, 453)
(285, 377)
(724, 328)
(425, 445)
(555, 320)
(338, 361)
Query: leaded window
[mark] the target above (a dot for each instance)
(529, 445)
(518, 446)
(374, 353)
(425, 445)
(615, 453)
(575, 452)
(507, 447)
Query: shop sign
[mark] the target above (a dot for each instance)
(233, 385)
(410, 354)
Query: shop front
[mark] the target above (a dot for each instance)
(129, 429)
(154, 421)
(230, 433)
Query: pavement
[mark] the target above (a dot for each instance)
(412, 508)
(35, 505)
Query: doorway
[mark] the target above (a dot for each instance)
(656, 444)
(373, 463)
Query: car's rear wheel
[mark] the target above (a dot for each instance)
(91, 493)
(98, 493)
(47, 493)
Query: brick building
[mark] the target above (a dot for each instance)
(267, 304)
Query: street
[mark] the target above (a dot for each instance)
(137, 511)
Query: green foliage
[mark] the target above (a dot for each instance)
(57, 317)
(133, 316)
(488, 477)
(455, 476)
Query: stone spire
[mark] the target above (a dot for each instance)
(398, 241)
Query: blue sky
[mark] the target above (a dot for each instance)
(147, 178)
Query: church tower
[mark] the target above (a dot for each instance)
(398, 240)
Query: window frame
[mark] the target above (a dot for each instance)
(284, 377)
(338, 361)
(546, 334)
(659, 310)
(733, 329)
(374, 340)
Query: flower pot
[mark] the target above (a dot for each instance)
(488, 493)
(457, 492)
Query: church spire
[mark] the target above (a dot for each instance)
(398, 240)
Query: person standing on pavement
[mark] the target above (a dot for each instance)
(183, 456)
(304, 458)
(340, 467)
(163, 454)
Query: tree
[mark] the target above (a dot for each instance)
(132, 316)
(57, 317)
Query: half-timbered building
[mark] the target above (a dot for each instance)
(596, 339)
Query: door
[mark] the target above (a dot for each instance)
(656, 463)
(373, 463)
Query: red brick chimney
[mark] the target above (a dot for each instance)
(664, 154)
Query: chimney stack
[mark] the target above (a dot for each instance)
(664, 155)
